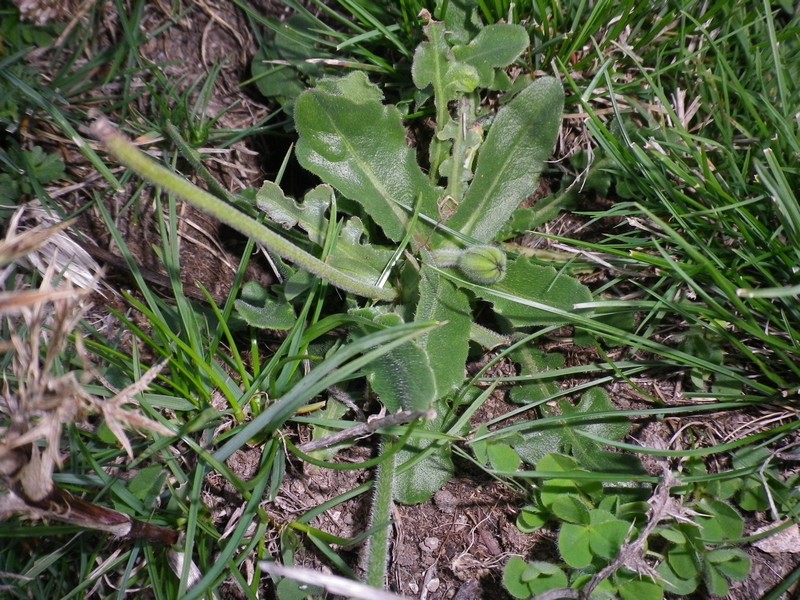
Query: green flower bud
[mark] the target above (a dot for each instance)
(482, 264)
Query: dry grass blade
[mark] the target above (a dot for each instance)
(39, 400)
(333, 583)
(16, 246)
(36, 237)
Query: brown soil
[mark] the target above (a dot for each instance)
(453, 547)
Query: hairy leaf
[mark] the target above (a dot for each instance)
(495, 46)
(350, 254)
(261, 309)
(446, 347)
(519, 142)
(402, 378)
(434, 65)
(544, 285)
(428, 476)
(356, 144)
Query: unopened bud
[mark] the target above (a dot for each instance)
(482, 264)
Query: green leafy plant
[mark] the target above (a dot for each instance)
(442, 226)
(616, 543)
(17, 37)
(340, 37)
(24, 172)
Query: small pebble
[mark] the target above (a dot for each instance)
(446, 501)
(429, 544)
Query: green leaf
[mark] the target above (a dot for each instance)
(402, 378)
(722, 522)
(480, 448)
(716, 582)
(602, 537)
(147, 483)
(333, 410)
(670, 534)
(675, 584)
(731, 562)
(608, 534)
(289, 589)
(595, 400)
(519, 142)
(530, 519)
(571, 509)
(495, 46)
(527, 219)
(530, 282)
(353, 255)
(684, 562)
(461, 19)
(503, 458)
(350, 254)
(356, 144)
(528, 579)
(565, 436)
(639, 589)
(281, 65)
(446, 347)
(309, 214)
(44, 167)
(533, 361)
(263, 310)
(573, 544)
(434, 65)
(420, 482)
(552, 489)
(280, 82)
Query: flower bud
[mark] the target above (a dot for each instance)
(482, 264)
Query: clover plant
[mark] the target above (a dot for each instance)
(617, 544)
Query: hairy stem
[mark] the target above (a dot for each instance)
(382, 502)
(130, 156)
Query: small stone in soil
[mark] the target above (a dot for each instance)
(429, 544)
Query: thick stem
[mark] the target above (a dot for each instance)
(130, 156)
(381, 518)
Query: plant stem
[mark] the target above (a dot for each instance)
(130, 156)
(382, 502)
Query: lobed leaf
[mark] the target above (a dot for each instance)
(356, 144)
(350, 254)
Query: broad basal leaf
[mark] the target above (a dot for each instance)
(356, 144)
(542, 285)
(402, 378)
(428, 476)
(446, 347)
(519, 142)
